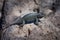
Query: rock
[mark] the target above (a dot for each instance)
(48, 28)
(0, 15)
(16, 31)
(1, 4)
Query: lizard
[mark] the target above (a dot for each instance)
(28, 18)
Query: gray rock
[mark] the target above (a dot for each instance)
(48, 28)
(1, 4)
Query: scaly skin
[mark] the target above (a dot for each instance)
(29, 18)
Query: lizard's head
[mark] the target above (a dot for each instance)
(40, 15)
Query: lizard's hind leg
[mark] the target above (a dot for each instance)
(23, 23)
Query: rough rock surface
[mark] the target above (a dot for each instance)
(1, 4)
(48, 28)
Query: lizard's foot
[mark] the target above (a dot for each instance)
(36, 24)
(21, 25)
(39, 21)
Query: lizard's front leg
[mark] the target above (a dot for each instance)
(36, 22)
